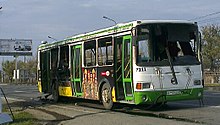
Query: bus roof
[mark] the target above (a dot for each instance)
(120, 27)
(166, 21)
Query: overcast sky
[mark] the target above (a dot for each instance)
(36, 19)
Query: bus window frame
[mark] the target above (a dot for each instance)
(106, 39)
(94, 47)
(154, 61)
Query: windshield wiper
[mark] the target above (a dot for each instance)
(174, 79)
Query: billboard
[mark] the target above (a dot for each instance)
(15, 47)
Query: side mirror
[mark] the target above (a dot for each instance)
(200, 41)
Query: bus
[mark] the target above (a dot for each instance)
(139, 62)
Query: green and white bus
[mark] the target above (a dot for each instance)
(139, 62)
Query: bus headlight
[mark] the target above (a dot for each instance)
(146, 85)
(197, 82)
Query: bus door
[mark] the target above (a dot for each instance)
(45, 71)
(126, 67)
(77, 70)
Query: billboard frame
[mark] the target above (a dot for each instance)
(15, 47)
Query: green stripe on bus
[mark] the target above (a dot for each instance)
(153, 96)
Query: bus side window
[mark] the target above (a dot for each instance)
(63, 69)
(90, 53)
(64, 57)
(105, 52)
(54, 57)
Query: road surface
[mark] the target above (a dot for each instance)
(79, 111)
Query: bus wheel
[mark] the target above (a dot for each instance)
(55, 92)
(107, 96)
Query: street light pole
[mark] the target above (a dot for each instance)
(52, 38)
(110, 19)
(105, 17)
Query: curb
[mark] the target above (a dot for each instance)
(212, 88)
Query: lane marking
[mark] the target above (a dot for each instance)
(19, 91)
(218, 106)
(68, 108)
(13, 99)
(3, 84)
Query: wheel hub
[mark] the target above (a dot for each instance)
(105, 95)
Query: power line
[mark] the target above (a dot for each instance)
(210, 19)
(211, 14)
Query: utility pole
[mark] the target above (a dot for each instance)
(16, 68)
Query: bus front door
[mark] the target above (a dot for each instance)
(77, 70)
(126, 67)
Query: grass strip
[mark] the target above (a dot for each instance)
(24, 118)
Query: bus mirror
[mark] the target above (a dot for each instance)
(200, 41)
(133, 31)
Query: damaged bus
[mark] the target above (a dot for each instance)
(139, 62)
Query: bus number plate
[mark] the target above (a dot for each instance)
(174, 92)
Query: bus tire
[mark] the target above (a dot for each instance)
(106, 96)
(55, 92)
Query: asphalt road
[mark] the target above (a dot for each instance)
(80, 111)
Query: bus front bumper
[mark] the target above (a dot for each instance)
(153, 97)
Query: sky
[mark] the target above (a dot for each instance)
(36, 19)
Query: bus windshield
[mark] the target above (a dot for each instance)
(157, 42)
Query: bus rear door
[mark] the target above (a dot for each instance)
(77, 70)
(45, 71)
